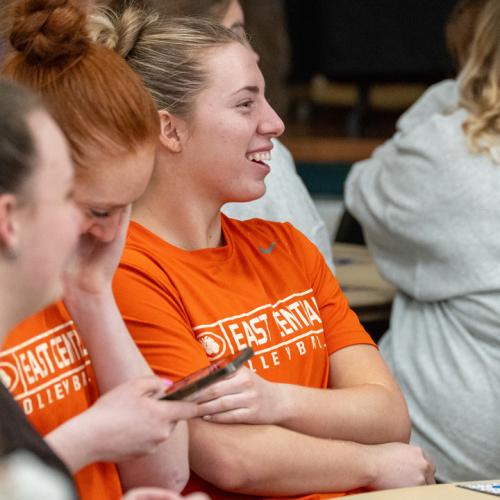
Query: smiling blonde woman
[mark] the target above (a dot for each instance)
(316, 410)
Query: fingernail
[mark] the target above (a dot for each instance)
(207, 417)
(167, 382)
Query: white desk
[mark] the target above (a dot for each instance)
(434, 492)
(369, 295)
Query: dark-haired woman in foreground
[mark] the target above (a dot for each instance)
(39, 229)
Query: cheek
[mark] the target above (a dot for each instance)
(229, 133)
(51, 244)
(234, 144)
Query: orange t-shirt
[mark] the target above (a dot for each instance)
(268, 287)
(47, 369)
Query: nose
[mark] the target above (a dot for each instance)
(271, 124)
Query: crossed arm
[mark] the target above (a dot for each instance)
(291, 440)
(363, 403)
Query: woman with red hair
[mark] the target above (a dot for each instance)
(55, 373)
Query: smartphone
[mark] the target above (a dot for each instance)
(207, 376)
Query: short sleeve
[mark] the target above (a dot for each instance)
(155, 317)
(341, 325)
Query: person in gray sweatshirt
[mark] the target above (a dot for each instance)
(429, 204)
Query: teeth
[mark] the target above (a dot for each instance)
(264, 156)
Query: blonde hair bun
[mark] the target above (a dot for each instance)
(120, 31)
(49, 31)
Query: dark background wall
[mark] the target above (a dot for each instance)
(368, 39)
(359, 42)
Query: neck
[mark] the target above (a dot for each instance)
(177, 211)
(13, 309)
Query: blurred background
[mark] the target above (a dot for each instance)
(340, 73)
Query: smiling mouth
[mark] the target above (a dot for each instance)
(261, 157)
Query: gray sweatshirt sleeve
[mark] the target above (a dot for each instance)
(428, 208)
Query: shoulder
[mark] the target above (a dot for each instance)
(144, 254)
(260, 228)
(440, 135)
(52, 319)
(440, 98)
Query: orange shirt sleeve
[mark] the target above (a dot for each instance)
(156, 318)
(342, 326)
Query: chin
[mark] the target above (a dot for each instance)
(254, 194)
(253, 191)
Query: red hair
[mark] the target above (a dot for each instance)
(99, 102)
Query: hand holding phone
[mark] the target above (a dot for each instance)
(207, 376)
(245, 398)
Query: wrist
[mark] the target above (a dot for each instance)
(80, 303)
(75, 294)
(283, 401)
(73, 442)
(370, 465)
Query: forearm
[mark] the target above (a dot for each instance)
(169, 461)
(74, 443)
(116, 360)
(363, 404)
(115, 357)
(270, 460)
(368, 413)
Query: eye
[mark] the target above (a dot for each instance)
(101, 214)
(247, 104)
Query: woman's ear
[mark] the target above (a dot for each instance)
(9, 228)
(172, 131)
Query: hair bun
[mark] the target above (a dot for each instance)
(49, 31)
(119, 31)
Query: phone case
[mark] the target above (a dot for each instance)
(207, 376)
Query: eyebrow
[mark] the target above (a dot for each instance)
(249, 88)
(114, 206)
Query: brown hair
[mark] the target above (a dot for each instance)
(17, 147)
(99, 102)
(461, 28)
